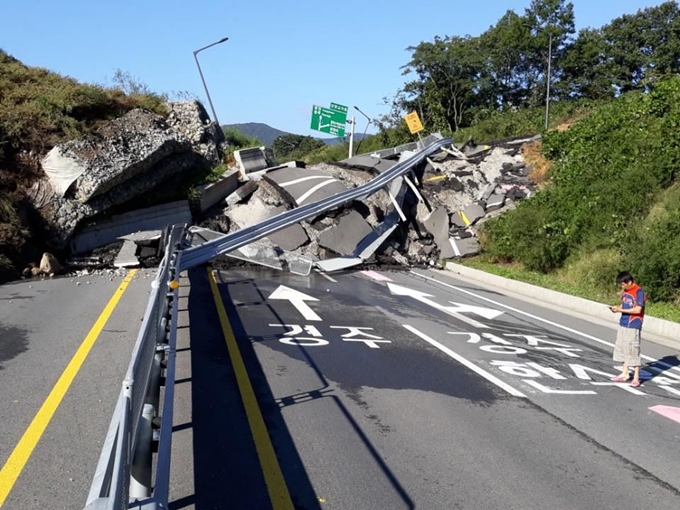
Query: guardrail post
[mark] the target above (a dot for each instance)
(140, 472)
(154, 391)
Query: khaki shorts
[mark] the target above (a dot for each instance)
(627, 348)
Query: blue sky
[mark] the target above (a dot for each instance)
(282, 57)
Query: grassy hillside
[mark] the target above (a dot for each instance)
(38, 110)
(612, 202)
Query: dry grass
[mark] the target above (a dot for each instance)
(539, 165)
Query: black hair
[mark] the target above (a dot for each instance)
(624, 277)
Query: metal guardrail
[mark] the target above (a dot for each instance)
(123, 478)
(124, 469)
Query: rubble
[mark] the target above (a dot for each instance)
(442, 201)
(127, 157)
(420, 219)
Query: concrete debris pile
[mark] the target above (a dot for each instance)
(127, 157)
(426, 217)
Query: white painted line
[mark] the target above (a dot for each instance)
(313, 190)
(376, 276)
(326, 276)
(460, 359)
(302, 179)
(297, 299)
(546, 321)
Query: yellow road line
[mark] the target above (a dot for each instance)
(273, 477)
(24, 448)
(464, 218)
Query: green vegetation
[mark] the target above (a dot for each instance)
(295, 147)
(236, 140)
(613, 201)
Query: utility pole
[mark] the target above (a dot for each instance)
(547, 85)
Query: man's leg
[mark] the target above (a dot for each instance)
(624, 371)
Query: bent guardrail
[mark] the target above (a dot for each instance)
(198, 255)
(123, 478)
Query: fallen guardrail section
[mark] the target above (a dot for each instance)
(124, 475)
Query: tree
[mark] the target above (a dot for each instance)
(643, 47)
(444, 89)
(287, 147)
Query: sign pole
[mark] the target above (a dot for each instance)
(351, 137)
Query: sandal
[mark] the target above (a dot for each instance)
(635, 384)
(620, 378)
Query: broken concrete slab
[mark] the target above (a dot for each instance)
(212, 193)
(304, 185)
(495, 201)
(367, 162)
(290, 238)
(437, 224)
(127, 256)
(346, 236)
(241, 193)
(468, 216)
(465, 247)
(151, 218)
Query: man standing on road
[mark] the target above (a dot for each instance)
(632, 310)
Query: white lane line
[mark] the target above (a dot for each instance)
(546, 321)
(326, 276)
(460, 359)
(302, 179)
(313, 190)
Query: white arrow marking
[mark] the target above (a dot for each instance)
(453, 311)
(297, 299)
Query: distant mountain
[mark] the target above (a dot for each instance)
(267, 134)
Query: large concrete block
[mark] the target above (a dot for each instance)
(346, 235)
(290, 238)
(304, 185)
(437, 224)
(250, 160)
(241, 193)
(212, 193)
(152, 218)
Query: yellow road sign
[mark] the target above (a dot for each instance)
(413, 122)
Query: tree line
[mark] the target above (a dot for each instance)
(455, 81)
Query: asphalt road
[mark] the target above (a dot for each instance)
(354, 391)
(43, 323)
(379, 393)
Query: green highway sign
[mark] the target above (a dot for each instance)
(328, 120)
(339, 108)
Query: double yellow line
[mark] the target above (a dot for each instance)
(24, 448)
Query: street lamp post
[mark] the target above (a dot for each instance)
(203, 79)
(547, 92)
